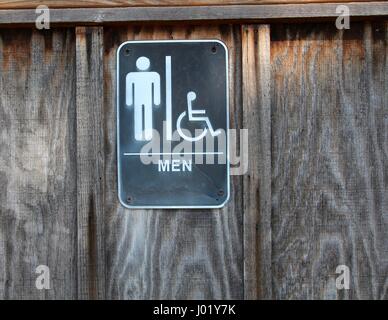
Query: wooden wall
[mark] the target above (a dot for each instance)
(22, 4)
(315, 101)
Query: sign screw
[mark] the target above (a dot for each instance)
(129, 199)
(220, 193)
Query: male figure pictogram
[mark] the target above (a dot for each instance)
(143, 92)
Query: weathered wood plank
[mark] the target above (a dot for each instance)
(257, 182)
(329, 160)
(90, 162)
(37, 163)
(23, 4)
(224, 14)
(171, 254)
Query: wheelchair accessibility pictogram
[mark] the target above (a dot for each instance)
(143, 92)
(193, 116)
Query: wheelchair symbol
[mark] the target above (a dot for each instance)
(193, 116)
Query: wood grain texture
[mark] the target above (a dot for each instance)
(37, 163)
(256, 82)
(329, 160)
(171, 254)
(22, 4)
(210, 14)
(315, 101)
(90, 162)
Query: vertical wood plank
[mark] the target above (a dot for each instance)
(37, 163)
(329, 151)
(90, 162)
(257, 182)
(171, 254)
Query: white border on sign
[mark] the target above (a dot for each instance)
(118, 125)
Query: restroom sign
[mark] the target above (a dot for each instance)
(172, 124)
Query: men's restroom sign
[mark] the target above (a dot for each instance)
(172, 124)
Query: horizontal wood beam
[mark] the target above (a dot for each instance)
(25, 4)
(240, 13)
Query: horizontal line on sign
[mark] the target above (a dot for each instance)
(168, 153)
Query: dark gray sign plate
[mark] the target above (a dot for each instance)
(172, 124)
